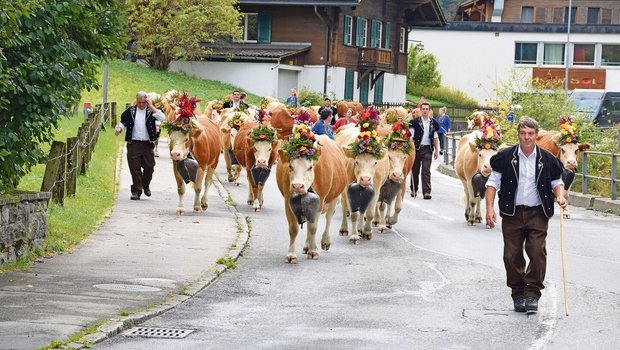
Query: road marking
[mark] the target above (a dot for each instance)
(547, 319)
(428, 211)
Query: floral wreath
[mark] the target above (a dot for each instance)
(237, 120)
(303, 117)
(367, 141)
(291, 108)
(302, 142)
(263, 133)
(568, 131)
(391, 117)
(398, 139)
(185, 112)
(158, 102)
(263, 103)
(217, 105)
(241, 108)
(490, 136)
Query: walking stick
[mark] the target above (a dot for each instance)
(563, 260)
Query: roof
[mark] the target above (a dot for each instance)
(255, 51)
(467, 26)
(301, 3)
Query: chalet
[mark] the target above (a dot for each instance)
(489, 41)
(351, 49)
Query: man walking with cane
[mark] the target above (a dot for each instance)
(528, 179)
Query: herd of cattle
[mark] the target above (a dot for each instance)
(229, 131)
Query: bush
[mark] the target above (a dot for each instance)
(448, 95)
(309, 98)
(422, 69)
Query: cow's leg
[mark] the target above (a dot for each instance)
(313, 251)
(325, 240)
(354, 236)
(236, 174)
(478, 217)
(198, 184)
(228, 165)
(380, 215)
(471, 204)
(293, 230)
(253, 199)
(369, 216)
(180, 191)
(565, 211)
(204, 201)
(398, 207)
(250, 182)
(344, 225)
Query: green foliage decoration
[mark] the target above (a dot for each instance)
(49, 53)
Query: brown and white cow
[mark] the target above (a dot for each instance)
(365, 170)
(203, 143)
(400, 167)
(567, 153)
(227, 135)
(250, 154)
(342, 106)
(476, 120)
(282, 120)
(326, 177)
(470, 160)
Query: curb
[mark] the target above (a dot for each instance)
(576, 199)
(117, 325)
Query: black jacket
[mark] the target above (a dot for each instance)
(418, 127)
(129, 117)
(229, 104)
(548, 168)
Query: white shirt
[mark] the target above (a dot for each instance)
(139, 126)
(527, 194)
(426, 124)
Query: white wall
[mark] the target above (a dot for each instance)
(476, 62)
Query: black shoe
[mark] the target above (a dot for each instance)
(531, 304)
(427, 196)
(520, 305)
(441, 152)
(414, 194)
(147, 192)
(135, 197)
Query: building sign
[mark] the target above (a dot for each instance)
(578, 78)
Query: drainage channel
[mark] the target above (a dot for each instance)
(151, 332)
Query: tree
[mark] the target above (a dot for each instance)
(50, 52)
(168, 30)
(422, 69)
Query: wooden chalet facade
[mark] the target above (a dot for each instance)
(349, 49)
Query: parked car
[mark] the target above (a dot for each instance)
(601, 107)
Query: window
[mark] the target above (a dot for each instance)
(403, 40)
(573, 12)
(610, 55)
(347, 38)
(553, 54)
(375, 33)
(386, 42)
(349, 75)
(250, 27)
(527, 14)
(583, 54)
(541, 15)
(361, 31)
(525, 53)
(593, 15)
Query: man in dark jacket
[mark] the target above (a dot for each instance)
(528, 179)
(424, 132)
(139, 121)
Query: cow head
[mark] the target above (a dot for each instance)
(300, 171)
(180, 143)
(397, 161)
(569, 152)
(483, 158)
(476, 120)
(262, 151)
(363, 166)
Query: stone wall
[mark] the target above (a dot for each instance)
(23, 224)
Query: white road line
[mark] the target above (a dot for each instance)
(428, 211)
(547, 319)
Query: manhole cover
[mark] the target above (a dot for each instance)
(127, 287)
(149, 332)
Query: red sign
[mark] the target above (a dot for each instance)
(578, 78)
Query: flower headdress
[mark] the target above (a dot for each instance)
(263, 133)
(398, 139)
(217, 105)
(303, 117)
(158, 101)
(241, 108)
(302, 142)
(490, 136)
(185, 112)
(367, 141)
(291, 108)
(391, 116)
(237, 120)
(568, 131)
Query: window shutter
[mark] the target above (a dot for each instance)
(359, 37)
(264, 28)
(374, 34)
(387, 35)
(379, 90)
(364, 91)
(348, 84)
(346, 34)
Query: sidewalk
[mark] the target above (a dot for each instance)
(142, 261)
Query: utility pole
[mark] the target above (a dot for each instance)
(566, 49)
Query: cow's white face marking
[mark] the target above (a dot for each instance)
(397, 162)
(262, 153)
(568, 155)
(364, 169)
(179, 145)
(301, 174)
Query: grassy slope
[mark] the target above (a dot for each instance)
(68, 225)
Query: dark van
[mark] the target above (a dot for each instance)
(602, 107)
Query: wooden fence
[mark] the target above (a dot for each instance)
(67, 159)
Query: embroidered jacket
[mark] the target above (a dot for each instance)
(418, 127)
(548, 168)
(128, 118)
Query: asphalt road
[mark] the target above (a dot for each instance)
(432, 282)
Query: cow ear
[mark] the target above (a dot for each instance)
(284, 156)
(249, 141)
(556, 137)
(347, 151)
(584, 146)
(472, 146)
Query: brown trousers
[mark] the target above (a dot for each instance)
(528, 227)
(141, 161)
(423, 160)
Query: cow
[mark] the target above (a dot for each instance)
(566, 152)
(228, 131)
(157, 101)
(202, 144)
(282, 120)
(326, 177)
(342, 106)
(367, 172)
(257, 156)
(392, 114)
(476, 120)
(470, 161)
(213, 110)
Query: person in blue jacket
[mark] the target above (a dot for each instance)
(323, 126)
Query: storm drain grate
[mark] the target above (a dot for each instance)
(149, 332)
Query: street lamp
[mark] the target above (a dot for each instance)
(570, 8)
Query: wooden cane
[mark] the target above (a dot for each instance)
(563, 260)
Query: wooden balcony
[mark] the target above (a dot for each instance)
(374, 59)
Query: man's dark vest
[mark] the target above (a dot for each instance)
(417, 125)
(128, 119)
(548, 168)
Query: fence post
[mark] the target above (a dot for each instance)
(72, 165)
(54, 178)
(445, 151)
(84, 139)
(584, 173)
(453, 154)
(614, 172)
(113, 116)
